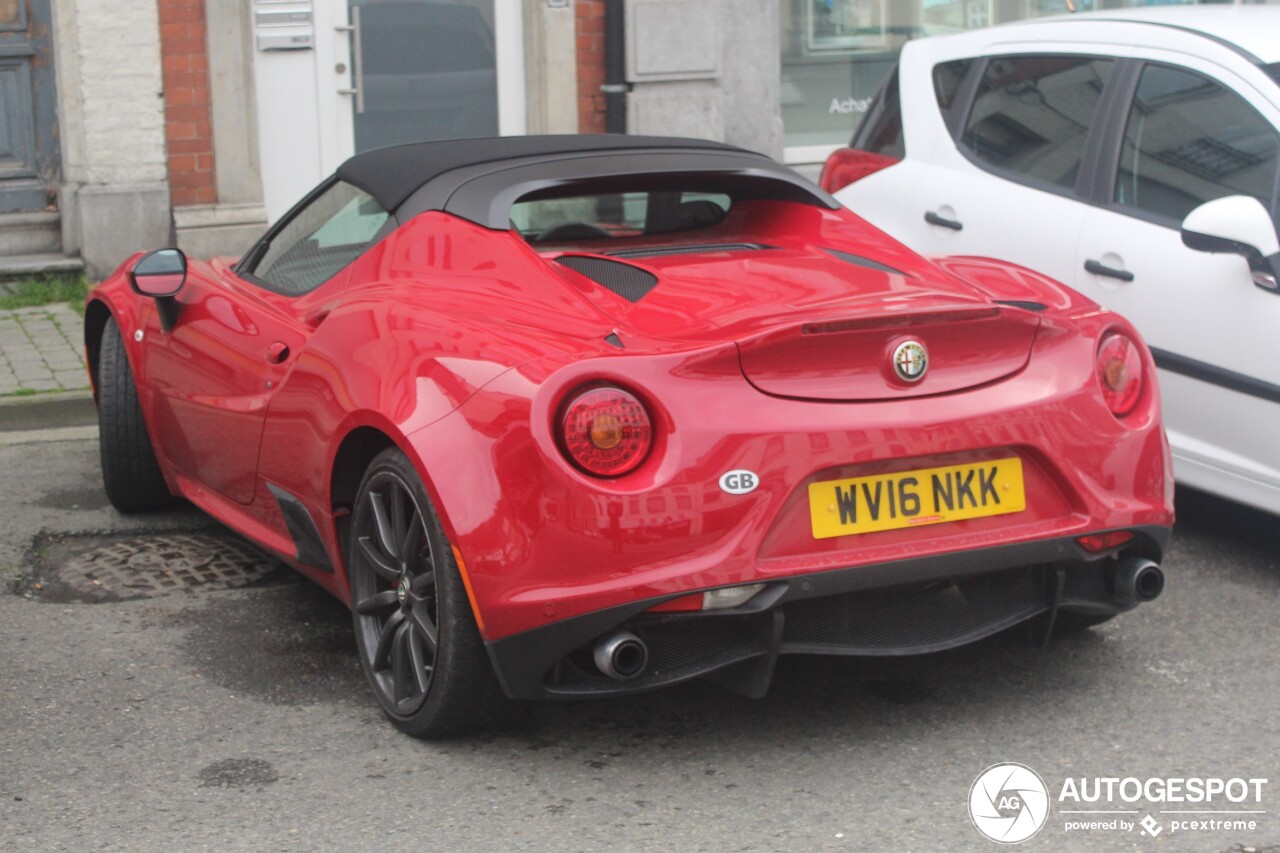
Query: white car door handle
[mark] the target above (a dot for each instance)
(934, 219)
(1101, 269)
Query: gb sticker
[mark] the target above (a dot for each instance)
(739, 482)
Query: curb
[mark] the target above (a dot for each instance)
(47, 411)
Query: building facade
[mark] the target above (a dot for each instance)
(142, 123)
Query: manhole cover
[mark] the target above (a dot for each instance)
(115, 568)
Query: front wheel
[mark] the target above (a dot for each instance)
(417, 637)
(130, 474)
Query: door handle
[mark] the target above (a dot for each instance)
(357, 59)
(278, 352)
(1100, 269)
(934, 219)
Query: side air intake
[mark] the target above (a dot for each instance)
(631, 283)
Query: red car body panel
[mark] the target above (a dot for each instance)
(412, 351)
(460, 343)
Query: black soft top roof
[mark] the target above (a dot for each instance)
(393, 174)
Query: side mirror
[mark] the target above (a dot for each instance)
(1238, 225)
(160, 273)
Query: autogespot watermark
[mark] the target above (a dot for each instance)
(1010, 803)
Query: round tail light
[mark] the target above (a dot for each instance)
(606, 431)
(1120, 373)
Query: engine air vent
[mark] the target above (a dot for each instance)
(1023, 304)
(694, 249)
(858, 260)
(631, 283)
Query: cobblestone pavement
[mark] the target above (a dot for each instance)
(41, 350)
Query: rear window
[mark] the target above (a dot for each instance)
(610, 215)
(1031, 115)
(881, 129)
(947, 77)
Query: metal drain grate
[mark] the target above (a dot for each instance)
(110, 568)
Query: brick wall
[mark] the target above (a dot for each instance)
(590, 37)
(188, 127)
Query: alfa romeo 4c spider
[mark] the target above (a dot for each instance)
(585, 416)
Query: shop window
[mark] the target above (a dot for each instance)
(836, 54)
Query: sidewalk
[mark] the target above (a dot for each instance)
(41, 349)
(43, 381)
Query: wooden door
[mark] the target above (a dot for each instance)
(29, 154)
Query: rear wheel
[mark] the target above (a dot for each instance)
(417, 637)
(130, 474)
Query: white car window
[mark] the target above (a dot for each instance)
(1032, 113)
(1188, 140)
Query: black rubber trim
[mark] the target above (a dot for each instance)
(302, 529)
(1103, 145)
(1037, 307)
(858, 260)
(1214, 375)
(613, 340)
(522, 660)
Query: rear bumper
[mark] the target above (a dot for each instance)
(903, 607)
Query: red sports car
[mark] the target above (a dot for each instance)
(584, 416)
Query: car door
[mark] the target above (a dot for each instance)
(1007, 186)
(238, 331)
(1192, 132)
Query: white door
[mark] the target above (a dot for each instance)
(1006, 188)
(1189, 138)
(377, 73)
(1028, 126)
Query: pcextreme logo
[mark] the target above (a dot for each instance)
(1010, 802)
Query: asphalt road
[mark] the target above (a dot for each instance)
(239, 720)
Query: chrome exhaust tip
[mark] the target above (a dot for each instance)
(621, 655)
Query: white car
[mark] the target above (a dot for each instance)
(1131, 154)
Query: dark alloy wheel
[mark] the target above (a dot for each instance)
(417, 636)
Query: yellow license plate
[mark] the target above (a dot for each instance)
(911, 498)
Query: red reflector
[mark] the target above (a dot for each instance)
(684, 602)
(1120, 374)
(846, 165)
(1096, 543)
(606, 431)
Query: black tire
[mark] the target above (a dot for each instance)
(130, 473)
(1067, 624)
(416, 634)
